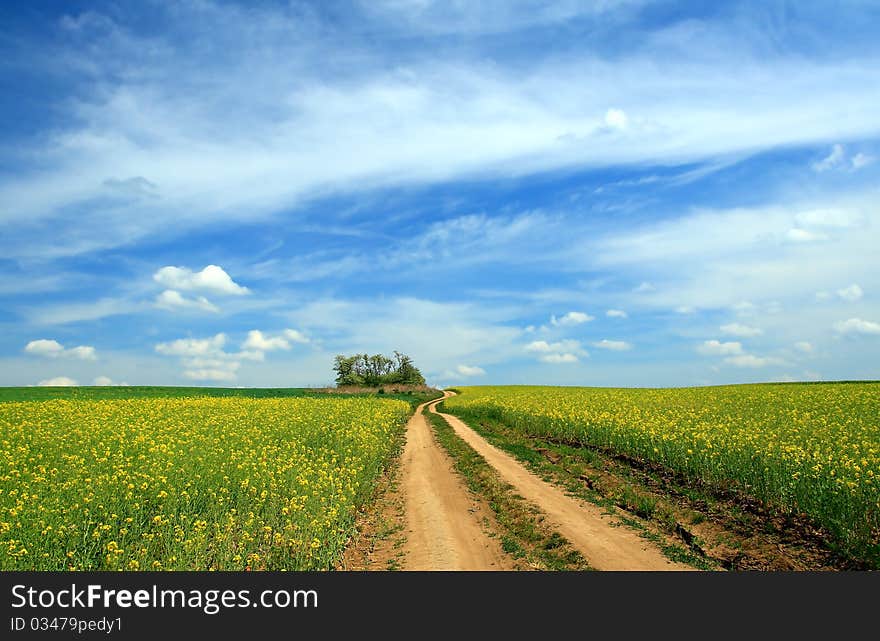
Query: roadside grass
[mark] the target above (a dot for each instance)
(524, 534)
(691, 522)
(569, 468)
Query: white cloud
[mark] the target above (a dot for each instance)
(258, 341)
(685, 309)
(435, 118)
(616, 119)
(211, 279)
(612, 345)
(58, 381)
(205, 359)
(193, 346)
(172, 300)
(717, 348)
(565, 351)
(559, 358)
(835, 158)
(570, 319)
(53, 349)
(82, 352)
(295, 336)
(804, 346)
(823, 296)
(857, 326)
(750, 360)
(738, 329)
(850, 294)
(644, 287)
(861, 160)
(467, 370)
(616, 313)
(105, 381)
(44, 347)
(560, 346)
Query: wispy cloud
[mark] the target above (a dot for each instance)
(616, 346)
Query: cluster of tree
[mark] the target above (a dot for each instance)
(376, 370)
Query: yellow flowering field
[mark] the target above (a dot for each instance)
(810, 448)
(188, 483)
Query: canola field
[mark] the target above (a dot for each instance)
(808, 448)
(188, 483)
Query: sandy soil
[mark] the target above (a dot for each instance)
(443, 520)
(605, 544)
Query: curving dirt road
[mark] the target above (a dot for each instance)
(442, 518)
(605, 545)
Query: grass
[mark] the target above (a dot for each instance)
(569, 468)
(805, 451)
(523, 533)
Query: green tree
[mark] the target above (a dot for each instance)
(376, 370)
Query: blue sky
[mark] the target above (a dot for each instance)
(621, 192)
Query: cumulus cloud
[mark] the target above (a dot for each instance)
(193, 346)
(468, 370)
(58, 381)
(857, 326)
(211, 279)
(717, 348)
(205, 359)
(173, 300)
(738, 329)
(258, 341)
(295, 336)
(617, 346)
(559, 346)
(52, 349)
(850, 294)
(566, 351)
(44, 347)
(570, 319)
(616, 313)
(750, 360)
(804, 346)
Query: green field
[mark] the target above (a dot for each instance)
(812, 449)
(188, 478)
(112, 391)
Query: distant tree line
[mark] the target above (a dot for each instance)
(376, 370)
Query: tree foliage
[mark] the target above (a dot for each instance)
(376, 370)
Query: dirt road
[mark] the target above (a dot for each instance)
(605, 545)
(443, 520)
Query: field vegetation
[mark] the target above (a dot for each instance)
(804, 449)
